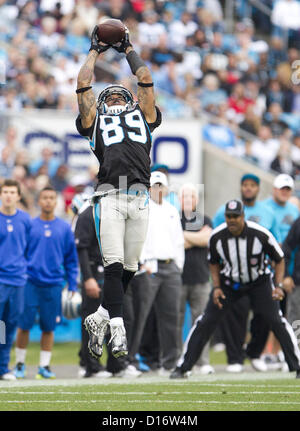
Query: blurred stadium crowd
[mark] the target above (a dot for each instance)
(244, 80)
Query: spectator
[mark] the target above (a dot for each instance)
(179, 30)
(6, 162)
(59, 179)
(273, 117)
(264, 147)
(162, 258)
(76, 40)
(211, 94)
(286, 17)
(283, 162)
(251, 122)
(47, 160)
(150, 29)
(49, 38)
(196, 287)
(238, 102)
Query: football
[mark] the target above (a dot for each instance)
(111, 31)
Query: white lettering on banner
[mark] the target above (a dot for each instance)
(175, 143)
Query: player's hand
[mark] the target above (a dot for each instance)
(96, 44)
(277, 294)
(288, 284)
(124, 44)
(217, 295)
(92, 288)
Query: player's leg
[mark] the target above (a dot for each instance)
(49, 305)
(25, 323)
(11, 305)
(262, 302)
(198, 298)
(202, 330)
(167, 305)
(109, 217)
(136, 227)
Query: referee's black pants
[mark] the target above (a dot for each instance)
(261, 302)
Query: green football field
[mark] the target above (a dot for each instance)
(247, 391)
(220, 392)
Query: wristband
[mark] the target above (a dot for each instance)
(83, 89)
(280, 285)
(134, 61)
(145, 84)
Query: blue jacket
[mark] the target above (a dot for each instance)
(52, 255)
(14, 237)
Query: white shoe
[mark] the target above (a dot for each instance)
(118, 340)
(206, 369)
(8, 377)
(103, 374)
(96, 325)
(285, 368)
(163, 372)
(219, 347)
(259, 365)
(129, 371)
(234, 368)
(273, 362)
(81, 372)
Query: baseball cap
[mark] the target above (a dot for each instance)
(252, 177)
(234, 206)
(159, 167)
(158, 177)
(284, 180)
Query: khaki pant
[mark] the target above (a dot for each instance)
(121, 222)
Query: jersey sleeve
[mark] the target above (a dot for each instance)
(273, 249)
(213, 256)
(157, 122)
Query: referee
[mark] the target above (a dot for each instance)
(237, 256)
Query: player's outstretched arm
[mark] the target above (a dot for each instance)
(145, 91)
(85, 96)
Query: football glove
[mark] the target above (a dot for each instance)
(124, 44)
(95, 43)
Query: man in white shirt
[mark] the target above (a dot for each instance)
(162, 260)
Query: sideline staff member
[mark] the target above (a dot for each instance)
(238, 267)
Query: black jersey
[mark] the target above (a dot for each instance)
(122, 145)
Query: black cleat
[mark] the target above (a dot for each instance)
(178, 374)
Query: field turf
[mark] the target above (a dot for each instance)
(248, 391)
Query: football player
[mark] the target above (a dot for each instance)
(119, 131)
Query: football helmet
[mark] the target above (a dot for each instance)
(71, 304)
(114, 109)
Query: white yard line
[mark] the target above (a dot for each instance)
(157, 401)
(222, 379)
(16, 392)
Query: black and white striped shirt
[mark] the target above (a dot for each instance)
(243, 258)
